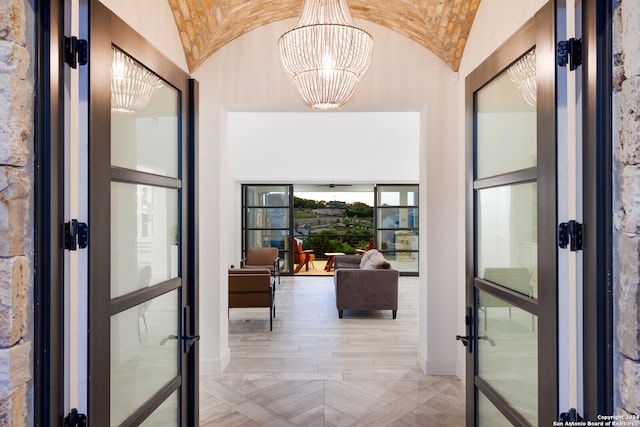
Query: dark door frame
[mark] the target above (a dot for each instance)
(538, 32)
(598, 212)
(108, 30)
(48, 266)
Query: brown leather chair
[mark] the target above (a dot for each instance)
(263, 258)
(252, 287)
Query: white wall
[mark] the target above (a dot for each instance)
(495, 22)
(154, 22)
(319, 148)
(246, 76)
(324, 147)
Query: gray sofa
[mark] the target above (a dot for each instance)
(365, 282)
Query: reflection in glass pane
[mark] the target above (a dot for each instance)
(489, 415)
(267, 217)
(397, 195)
(144, 353)
(267, 195)
(144, 236)
(144, 119)
(268, 239)
(397, 217)
(404, 262)
(166, 415)
(506, 121)
(508, 237)
(507, 351)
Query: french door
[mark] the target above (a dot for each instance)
(142, 291)
(511, 293)
(397, 225)
(267, 220)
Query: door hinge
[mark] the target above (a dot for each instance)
(571, 415)
(570, 52)
(571, 234)
(76, 234)
(75, 419)
(76, 51)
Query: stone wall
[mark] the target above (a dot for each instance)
(16, 123)
(626, 127)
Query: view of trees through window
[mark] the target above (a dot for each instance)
(332, 226)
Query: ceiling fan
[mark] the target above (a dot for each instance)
(333, 185)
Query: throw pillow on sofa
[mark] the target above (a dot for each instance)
(365, 258)
(375, 261)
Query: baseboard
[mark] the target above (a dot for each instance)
(461, 371)
(436, 367)
(422, 361)
(215, 366)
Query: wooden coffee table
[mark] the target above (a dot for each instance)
(330, 258)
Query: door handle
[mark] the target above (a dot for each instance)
(466, 340)
(189, 341)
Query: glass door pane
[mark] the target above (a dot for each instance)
(145, 239)
(507, 236)
(144, 353)
(506, 132)
(508, 353)
(506, 229)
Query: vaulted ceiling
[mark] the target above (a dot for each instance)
(441, 26)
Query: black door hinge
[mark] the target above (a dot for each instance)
(75, 419)
(570, 52)
(76, 51)
(76, 234)
(571, 234)
(572, 415)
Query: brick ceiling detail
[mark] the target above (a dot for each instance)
(441, 26)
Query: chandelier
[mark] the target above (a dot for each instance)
(523, 74)
(131, 84)
(325, 54)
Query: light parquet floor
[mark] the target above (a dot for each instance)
(315, 369)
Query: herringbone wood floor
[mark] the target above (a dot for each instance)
(315, 369)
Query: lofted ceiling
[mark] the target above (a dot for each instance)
(441, 26)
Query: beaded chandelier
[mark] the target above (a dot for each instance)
(325, 54)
